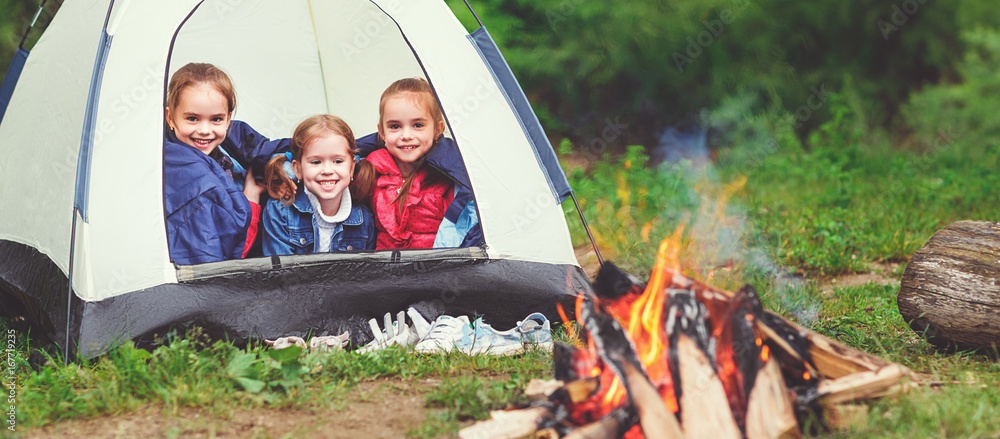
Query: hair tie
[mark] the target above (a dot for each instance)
(288, 156)
(356, 158)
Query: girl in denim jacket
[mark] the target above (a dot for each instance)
(321, 215)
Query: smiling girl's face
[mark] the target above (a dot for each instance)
(201, 117)
(326, 168)
(409, 130)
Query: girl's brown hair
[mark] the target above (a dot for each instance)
(420, 93)
(281, 187)
(196, 73)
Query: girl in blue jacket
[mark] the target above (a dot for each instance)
(210, 194)
(321, 215)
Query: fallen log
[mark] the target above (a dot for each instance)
(950, 291)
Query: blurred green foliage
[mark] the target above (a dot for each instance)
(965, 107)
(14, 21)
(654, 63)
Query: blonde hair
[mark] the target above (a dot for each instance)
(281, 187)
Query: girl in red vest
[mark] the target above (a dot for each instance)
(409, 199)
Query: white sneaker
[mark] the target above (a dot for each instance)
(420, 325)
(536, 330)
(395, 333)
(329, 343)
(443, 334)
(286, 342)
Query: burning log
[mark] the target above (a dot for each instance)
(611, 426)
(769, 411)
(702, 396)
(540, 390)
(835, 360)
(619, 354)
(949, 293)
(862, 385)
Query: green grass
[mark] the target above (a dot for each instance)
(217, 378)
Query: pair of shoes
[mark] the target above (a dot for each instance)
(396, 333)
(456, 333)
(449, 333)
(326, 343)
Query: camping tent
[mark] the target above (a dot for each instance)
(83, 249)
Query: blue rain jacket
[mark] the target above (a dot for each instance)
(207, 214)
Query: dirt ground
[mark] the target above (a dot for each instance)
(380, 409)
(879, 274)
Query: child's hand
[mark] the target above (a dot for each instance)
(252, 189)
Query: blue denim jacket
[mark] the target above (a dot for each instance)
(292, 229)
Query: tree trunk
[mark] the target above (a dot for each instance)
(950, 291)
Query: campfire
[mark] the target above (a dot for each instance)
(677, 358)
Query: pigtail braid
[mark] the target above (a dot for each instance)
(279, 186)
(363, 185)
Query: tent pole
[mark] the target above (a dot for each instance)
(474, 13)
(600, 260)
(30, 26)
(69, 294)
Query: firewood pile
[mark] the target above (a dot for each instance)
(677, 358)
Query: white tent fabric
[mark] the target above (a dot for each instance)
(288, 59)
(41, 133)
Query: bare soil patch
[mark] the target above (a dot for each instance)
(880, 273)
(376, 409)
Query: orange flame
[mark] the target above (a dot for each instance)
(643, 318)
